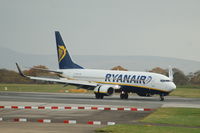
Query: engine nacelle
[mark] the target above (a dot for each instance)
(107, 90)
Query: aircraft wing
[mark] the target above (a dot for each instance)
(58, 80)
(47, 70)
(64, 80)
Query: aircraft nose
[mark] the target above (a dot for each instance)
(172, 86)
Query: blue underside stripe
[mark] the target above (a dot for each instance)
(135, 86)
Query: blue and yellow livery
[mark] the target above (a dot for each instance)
(107, 82)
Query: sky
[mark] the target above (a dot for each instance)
(167, 28)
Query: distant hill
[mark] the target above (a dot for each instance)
(137, 63)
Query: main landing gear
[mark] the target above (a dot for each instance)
(99, 95)
(162, 97)
(124, 95)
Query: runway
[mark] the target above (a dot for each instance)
(88, 99)
(81, 116)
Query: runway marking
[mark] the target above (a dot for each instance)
(70, 121)
(76, 108)
(110, 123)
(94, 122)
(20, 120)
(51, 121)
(44, 120)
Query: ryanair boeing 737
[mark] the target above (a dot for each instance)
(107, 82)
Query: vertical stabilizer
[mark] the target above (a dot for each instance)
(64, 59)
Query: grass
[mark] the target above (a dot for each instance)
(177, 116)
(173, 116)
(189, 86)
(35, 87)
(145, 129)
(186, 92)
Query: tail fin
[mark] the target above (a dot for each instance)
(171, 77)
(64, 59)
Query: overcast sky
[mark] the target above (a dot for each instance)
(169, 28)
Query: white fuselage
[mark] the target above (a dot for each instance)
(147, 80)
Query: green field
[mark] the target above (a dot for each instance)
(35, 87)
(178, 116)
(173, 116)
(186, 92)
(146, 129)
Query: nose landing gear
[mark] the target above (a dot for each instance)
(162, 97)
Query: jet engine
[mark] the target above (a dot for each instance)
(106, 90)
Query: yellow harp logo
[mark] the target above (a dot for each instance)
(62, 51)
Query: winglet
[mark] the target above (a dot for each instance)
(171, 73)
(20, 72)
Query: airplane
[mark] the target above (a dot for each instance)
(106, 82)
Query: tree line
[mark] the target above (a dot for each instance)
(179, 77)
(9, 76)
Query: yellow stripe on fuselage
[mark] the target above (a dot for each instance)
(132, 86)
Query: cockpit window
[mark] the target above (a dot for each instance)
(163, 80)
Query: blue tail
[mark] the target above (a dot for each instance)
(64, 59)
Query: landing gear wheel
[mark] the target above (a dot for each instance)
(99, 96)
(124, 95)
(162, 97)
